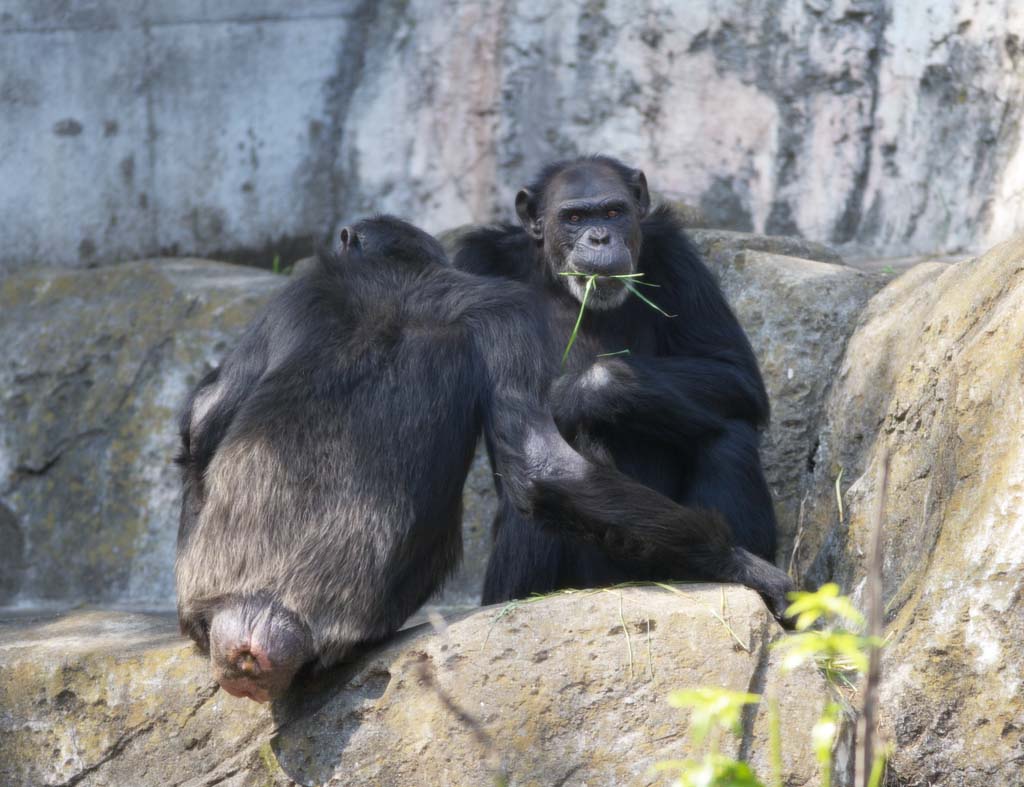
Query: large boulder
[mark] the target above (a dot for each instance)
(934, 376)
(798, 304)
(569, 689)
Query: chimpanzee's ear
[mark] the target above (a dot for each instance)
(526, 209)
(349, 240)
(638, 184)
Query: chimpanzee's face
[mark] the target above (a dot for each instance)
(589, 223)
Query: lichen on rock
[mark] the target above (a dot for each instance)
(569, 689)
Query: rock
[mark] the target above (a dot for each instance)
(716, 246)
(303, 266)
(934, 375)
(567, 689)
(112, 698)
(452, 238)
(691, 215)
(798, 314)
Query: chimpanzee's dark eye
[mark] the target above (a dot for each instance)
(574, 218)
(612, 214)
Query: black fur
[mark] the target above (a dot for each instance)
(679, 413)
(324, 461)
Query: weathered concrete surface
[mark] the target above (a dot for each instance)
(132, 129)
(570, 689)
(934, 375)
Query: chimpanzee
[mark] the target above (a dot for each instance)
(664, 386)
(323, 462)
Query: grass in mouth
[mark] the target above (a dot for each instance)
(629, 280)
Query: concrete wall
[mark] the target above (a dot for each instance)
(241, 129)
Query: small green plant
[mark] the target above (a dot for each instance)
(629, 280)
(276, 267)
(715, 711)
(833, 648)
(712, 713)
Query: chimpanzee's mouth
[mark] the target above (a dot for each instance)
(605, 292)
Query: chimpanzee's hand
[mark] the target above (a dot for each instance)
(767, 579)
(587, 397)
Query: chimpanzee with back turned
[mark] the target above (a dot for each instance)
(323, 462)
(675, 402)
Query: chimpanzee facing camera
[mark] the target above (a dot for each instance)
(660, 382)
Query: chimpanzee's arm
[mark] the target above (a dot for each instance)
(543, 477)
(665, 398)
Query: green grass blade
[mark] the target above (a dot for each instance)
(579, 318)
(652, 304)
(599, 276)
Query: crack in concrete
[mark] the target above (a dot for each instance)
(119, 746)
(63, 446)
(756, 685)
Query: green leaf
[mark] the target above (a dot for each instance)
(712, 771)
(807, 607)
(711, 707)
(840, 651)
(579, 318)
(632, 288)
(823, 734)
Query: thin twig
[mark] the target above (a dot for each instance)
(721, 619)
(873, 591)
(799, 537)
(629, 641)
(628, 281)
(650, 650)
(839, 496)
